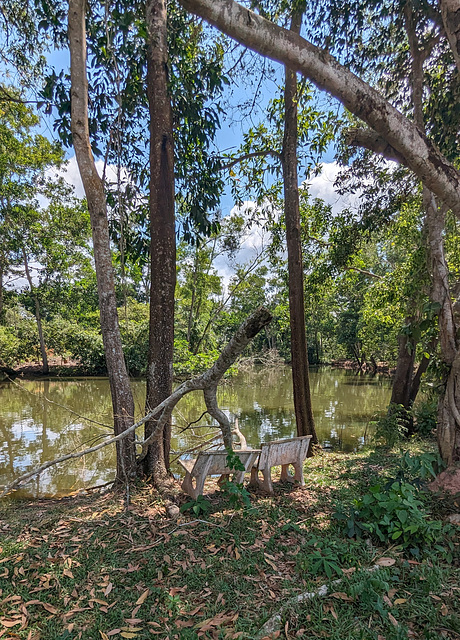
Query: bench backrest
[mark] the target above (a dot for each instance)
(280, 452)
(218, 464)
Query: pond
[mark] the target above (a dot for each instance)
(43, 419)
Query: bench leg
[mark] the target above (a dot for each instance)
(266, 484)
(187, 486)
(286, 475)
(298, 475)
(254, 481)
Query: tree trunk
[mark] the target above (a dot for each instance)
(448, 430)
(299, 352)
(450, 11)
(162, 236)
(1, 288)
(45, 367)
(122, 398)
(402, 381)
(265, 37)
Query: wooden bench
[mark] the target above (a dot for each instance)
(281, 453)
(212, 463)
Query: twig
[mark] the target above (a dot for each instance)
(200, 446)
(194, 422)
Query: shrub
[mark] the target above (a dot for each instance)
(425, 416)
(392, 427)
(395, 512)
(9, 345)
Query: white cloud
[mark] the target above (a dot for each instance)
(71, 174)
(322, 186)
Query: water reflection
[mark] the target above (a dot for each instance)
(41, 420)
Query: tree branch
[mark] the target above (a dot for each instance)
(254, 154)
(368, 139)
(365, 102)
(206, 382)
(364, 272)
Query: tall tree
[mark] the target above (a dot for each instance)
(162, 235)
(122, 398)
(299, 352)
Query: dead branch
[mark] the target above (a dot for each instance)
(206, 382)
(274, 623)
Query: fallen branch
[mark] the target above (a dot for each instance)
(207, 382)
(274, 623)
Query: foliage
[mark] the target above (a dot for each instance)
(425, 416)
(396, 511)
(9, 345)
(200, 506)
(393, 426)
(322, 561)
(235, 492)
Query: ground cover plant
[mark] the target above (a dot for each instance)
(89, 567)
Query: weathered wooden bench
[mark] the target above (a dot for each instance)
(213, 463)
(292, 451)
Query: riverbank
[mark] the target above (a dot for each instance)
(86, 567)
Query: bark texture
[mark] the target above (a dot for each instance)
(122, 399)
(402, 381)
(299, 351)
(450, 11)
(265, 37)
(162, 237)
(448, 429)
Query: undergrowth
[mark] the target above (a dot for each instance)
(87, 568)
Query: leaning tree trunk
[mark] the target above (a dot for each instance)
(162, 237)
(299, 352)
(450, 10)
(448, 430)
(122, 398)
(259, 34)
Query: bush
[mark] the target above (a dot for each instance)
(395, 512)
(425, 416)
(23, 326)
(9, 345)
(392, 427)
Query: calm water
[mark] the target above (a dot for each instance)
(41, 420)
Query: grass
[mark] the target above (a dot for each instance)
(85, 567)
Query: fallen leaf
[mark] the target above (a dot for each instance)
(340, 595)
(385, 562)
(393, 620)
(444, 610)
(108, 589)
(10, 623)
(143, 597)
(104, 636)
(400, 601)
